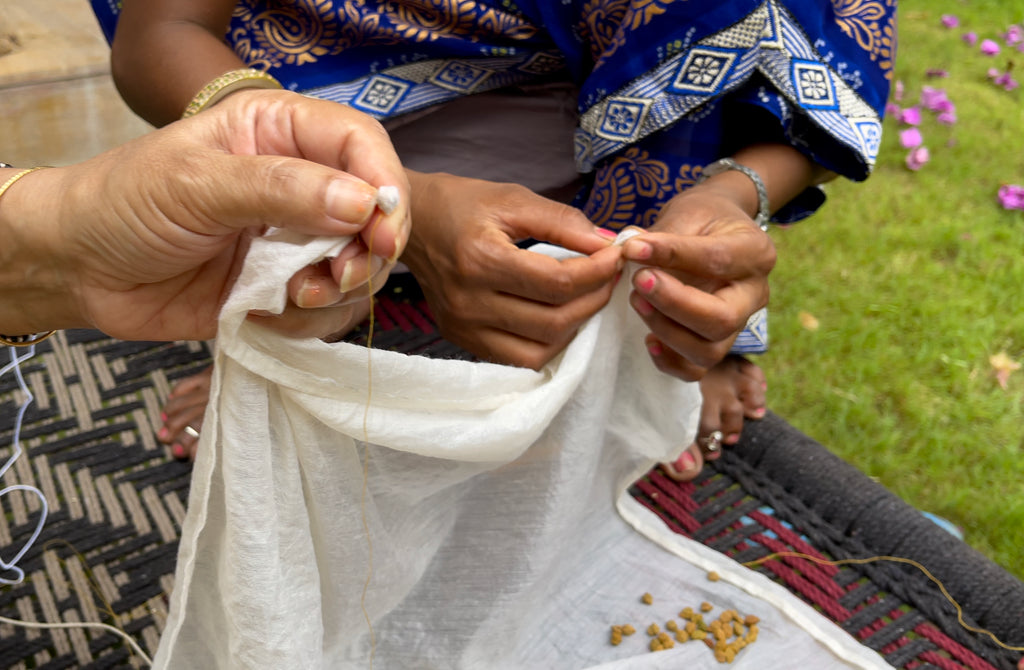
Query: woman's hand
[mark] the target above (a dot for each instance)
(146, 240)
(496, 300)
(707, 272)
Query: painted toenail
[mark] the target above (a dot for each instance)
(163, 416)
(163, 433)
(178, 451)
(684, 462)
(760, 412)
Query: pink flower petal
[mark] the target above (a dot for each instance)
(936, 73)
(946, 118)
(910, 138)
(971, 38)
(917, 157)
(1011, 84)
(911, 116)
(934, 99)
(1014, 34)
(1011, 196)
(989, 47)
(950, 21)
(892, 110)
(993, 72)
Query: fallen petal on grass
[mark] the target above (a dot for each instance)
(808, 321)
(911, 116)
(989, 47)
(950, 20)
(1004, 366)
(910, 138)
(917, 157)
(971, 38)
(1011, 196)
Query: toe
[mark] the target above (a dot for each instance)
(687, 466)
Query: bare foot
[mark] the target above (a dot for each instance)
(733, 390)
(186, 405)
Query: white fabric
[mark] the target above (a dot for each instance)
(495, 500)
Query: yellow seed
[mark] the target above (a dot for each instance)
(714, 576)
(690, 627)
(750, 620)
(663, 637)
(682, 636)
(667, 643)
(726, 616)
(616, 639)
(628, 629)
(698, 635)
(706, 606)
(656, 645)
(617, 629)
(738, 629)
(671, 625)
(730, 655)
(647, 598)
(686, 613)
(653, 629)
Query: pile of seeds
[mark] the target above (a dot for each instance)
(725, 635)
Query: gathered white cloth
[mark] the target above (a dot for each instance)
(495, 498)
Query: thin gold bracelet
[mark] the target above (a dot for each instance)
(21, 340)
(229, 82)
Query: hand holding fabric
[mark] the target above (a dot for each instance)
(707, 272)
(498, 301)
(146, 240)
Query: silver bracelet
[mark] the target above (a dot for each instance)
(725, 164)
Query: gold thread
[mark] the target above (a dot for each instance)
(895, 559)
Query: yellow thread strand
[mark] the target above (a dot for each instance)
(894, 559)
(366, 452)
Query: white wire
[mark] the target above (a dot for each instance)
(12, 565)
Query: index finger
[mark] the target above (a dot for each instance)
(548, 280)
(740, 253)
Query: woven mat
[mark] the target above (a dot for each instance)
(117, 500)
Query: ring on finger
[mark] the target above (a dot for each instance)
(712, 442)
(189, 430)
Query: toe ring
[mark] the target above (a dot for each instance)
(712, 442)
(189, 430)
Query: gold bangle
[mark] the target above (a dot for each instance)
(16, 176)
(22, 340)
(25, 340)
(229, 82)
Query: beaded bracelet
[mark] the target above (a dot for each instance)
(20, 340)
(229, 82)
(720, 166)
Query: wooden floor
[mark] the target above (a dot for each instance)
(58, 104)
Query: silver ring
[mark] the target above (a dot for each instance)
(189, 430)
(712, 442)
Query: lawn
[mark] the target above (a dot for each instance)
(914, 281)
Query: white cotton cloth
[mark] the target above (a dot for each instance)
(495, 498)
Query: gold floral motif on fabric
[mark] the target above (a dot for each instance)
(617, 185)
(605, 23)
(872, 26)
(306, 30)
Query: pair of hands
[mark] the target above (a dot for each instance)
(705, 271)
(145, 241)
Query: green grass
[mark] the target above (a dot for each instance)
(916, 280)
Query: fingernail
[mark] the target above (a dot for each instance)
(606, 234)
(316, 292)
(760, 412)
(177, 451)
(163, 433)
(344, 196)
(637, 250)
(685, 462)
(654, 349)
(645, 281)
(643, 307)
(348, 281)
(731, 438)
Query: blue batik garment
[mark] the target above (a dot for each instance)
(666, 86)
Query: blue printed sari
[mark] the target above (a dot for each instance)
(666, 86)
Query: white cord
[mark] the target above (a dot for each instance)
(12, 565)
